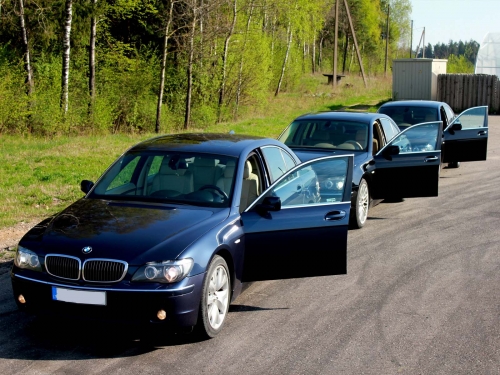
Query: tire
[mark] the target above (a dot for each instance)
(455, 164)
(215, 299)
(359, 211)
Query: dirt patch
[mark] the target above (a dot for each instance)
(9, 237)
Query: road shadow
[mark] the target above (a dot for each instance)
(27, 337)
(244, 308)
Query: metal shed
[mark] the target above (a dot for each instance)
(416, 78)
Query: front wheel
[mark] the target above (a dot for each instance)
(359, 212)
(455, 164)
(215, 298)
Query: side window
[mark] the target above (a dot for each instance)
(378, 140)
(449, 113)
(388, 128)
(124, 177)
(419, 138)
(318, 182)
(155, 165)
(278, 162)
(473, 118)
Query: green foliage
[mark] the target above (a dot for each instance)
(459, 64)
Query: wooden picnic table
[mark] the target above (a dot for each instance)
(330, 77)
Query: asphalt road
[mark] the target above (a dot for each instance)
(422, 296)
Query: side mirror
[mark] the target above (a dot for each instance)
(269, 204)
(454, 127)
(390, 151)
(86, 185)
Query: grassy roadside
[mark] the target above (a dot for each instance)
(41, 176)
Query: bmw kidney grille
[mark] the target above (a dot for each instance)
(92, 270)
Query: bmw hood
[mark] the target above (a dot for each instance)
(129, 231)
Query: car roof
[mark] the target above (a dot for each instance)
(367, 117)
(413, 103)
(212, 143)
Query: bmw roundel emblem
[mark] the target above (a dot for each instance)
(87, 250)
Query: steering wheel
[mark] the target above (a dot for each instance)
(355, 144)
(216, 188)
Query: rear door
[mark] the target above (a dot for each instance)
(466, 138)
(409, 165)
(307, 235)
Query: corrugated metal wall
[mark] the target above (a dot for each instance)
(462, 91)
(416, 78)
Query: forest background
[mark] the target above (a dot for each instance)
(138, 66)
(83, 80)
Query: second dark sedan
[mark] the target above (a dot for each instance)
(388, 163)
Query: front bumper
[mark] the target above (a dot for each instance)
(138, 304)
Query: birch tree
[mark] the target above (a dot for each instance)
(224, 61)
(93, 30)
(168, 22)
(66, 55)
(27, 61)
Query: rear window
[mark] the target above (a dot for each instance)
(405, 116)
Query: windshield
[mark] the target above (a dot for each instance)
(186, 178)
(406, 116)
(331, 134)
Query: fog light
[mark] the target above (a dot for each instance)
(21, 299)
(162, 314)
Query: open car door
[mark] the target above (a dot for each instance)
(298, 227)
(466, 138)
(409, 165)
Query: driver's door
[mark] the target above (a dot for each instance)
(298, 227)
(466, 138)
(409, 165)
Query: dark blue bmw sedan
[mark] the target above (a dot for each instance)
(173, 228)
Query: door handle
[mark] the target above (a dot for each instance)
(335, 215)
(430, 159)
(482, 132)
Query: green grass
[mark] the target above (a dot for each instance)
(41, 176)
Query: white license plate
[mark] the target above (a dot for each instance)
(79, 296)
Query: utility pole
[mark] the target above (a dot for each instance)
(411, 37)
(335, 44)
(387, 40)
(423, 44)
(355, 42)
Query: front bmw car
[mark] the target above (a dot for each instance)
(134, 248)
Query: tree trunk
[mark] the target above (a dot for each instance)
(27, 61)
(93, 27)
(346, 50)
(66, 56)
(224, 64)
(320, 54)
(240, 71)
(163, 67)
(314, 54)
(288, 45)
(187, 115)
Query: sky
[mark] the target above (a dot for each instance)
(456, 20)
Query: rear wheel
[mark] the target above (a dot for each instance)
(359, 212)
(454, 164)
(215, 298)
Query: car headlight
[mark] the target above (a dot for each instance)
(168, 271)
(27, 259)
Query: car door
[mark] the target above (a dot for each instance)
(298, 226)
(409, 165)
(466, 138)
